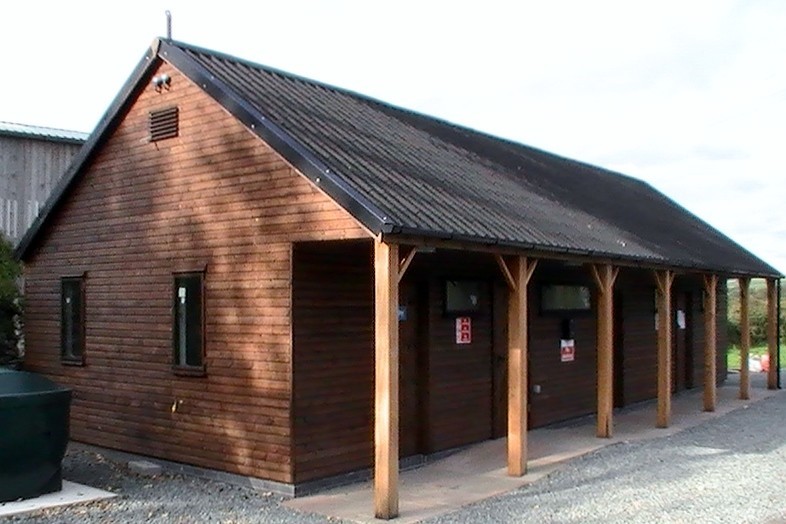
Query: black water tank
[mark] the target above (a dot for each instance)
(34, 414)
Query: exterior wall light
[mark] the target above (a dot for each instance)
(161, 82)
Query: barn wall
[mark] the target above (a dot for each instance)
(29, 169)
(214, 197)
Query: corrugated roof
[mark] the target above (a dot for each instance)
(403, 173)
(47, 133)
(431, 177)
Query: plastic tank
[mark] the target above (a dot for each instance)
(34, 413)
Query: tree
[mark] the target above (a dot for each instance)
(10, 306)
(758, 313)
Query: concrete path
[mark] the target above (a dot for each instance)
(479, 472)
(72, 493)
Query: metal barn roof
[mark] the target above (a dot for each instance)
(46, 133)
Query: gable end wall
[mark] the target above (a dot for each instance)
(215, 197)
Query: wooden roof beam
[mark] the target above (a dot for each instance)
(404, 265)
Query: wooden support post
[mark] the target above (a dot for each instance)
(772, 332)
(745, 339)
(710, 341)
(518, 275)
(386, 274)
(664, 280)
(604, 276)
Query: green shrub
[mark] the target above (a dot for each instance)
(10, 306)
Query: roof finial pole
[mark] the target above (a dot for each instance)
(168, 25)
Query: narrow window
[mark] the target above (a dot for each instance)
(188, 334)
(72, 320)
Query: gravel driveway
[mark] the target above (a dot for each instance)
(731, 469)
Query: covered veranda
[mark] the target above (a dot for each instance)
(476, 472)
(391, 261)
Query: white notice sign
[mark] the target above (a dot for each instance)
(567, 350)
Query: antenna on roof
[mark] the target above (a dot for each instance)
(168, 25)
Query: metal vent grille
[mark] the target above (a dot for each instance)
(163, 123)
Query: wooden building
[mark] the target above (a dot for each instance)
(32, 159)
(250, 271)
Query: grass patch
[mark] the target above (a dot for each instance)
(733, 356)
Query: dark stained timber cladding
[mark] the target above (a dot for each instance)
(217, 200)
(333, 360)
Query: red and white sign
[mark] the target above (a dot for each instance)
(463, 330)
(567, 351)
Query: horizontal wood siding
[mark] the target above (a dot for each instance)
(450, 394)
(640, 337)
(333, 327)
(216, 197)
(567, 389)
(460, 375)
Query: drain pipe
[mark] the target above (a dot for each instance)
(778, 333)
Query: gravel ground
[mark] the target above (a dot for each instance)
(731, 469)
(165, 498)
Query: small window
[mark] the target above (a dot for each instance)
(462, 296)
(188, 328)
(163, 123)
(564, 298)
(72, 320)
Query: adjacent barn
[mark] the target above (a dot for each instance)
(32, 159)
(254, 272)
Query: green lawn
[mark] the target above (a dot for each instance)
(733, 356)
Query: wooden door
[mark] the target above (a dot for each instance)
(499, 397)
(409, 376)
(679, 347)
(460, 376)
(687, 333)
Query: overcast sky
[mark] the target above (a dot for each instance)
(687, 95)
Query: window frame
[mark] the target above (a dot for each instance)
(570, 312)
(474, 311)
(72, 358)
(179, 362)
